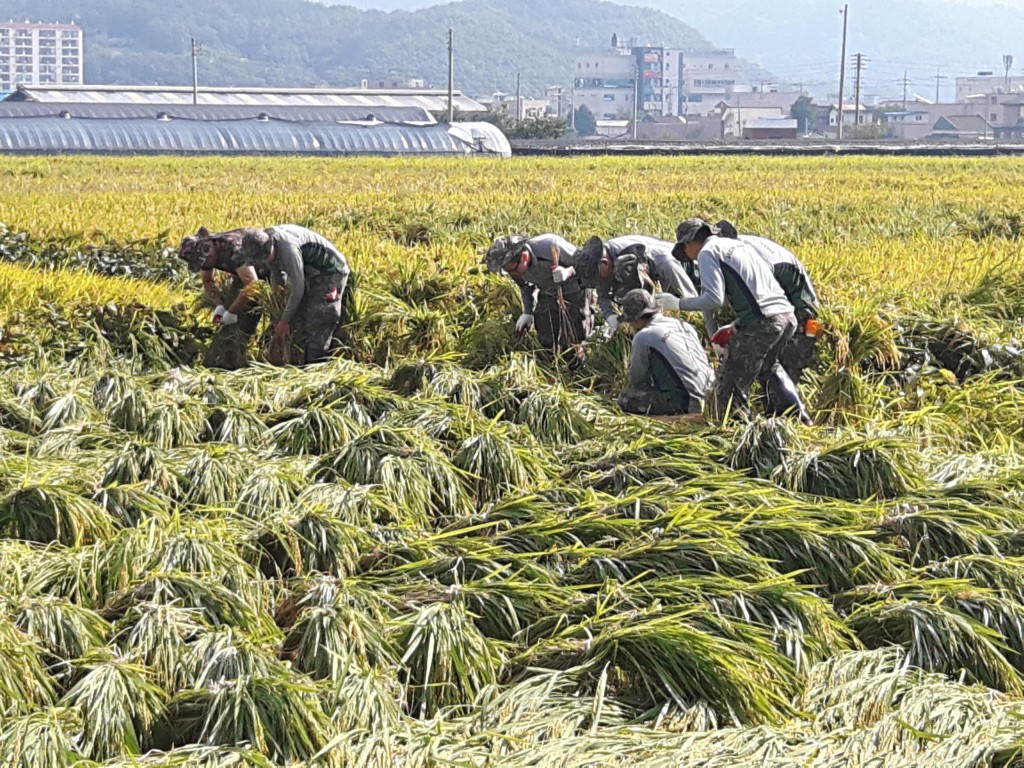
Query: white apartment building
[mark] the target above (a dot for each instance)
(40, 54)
(708, 78)
(604, 83)
(986, 83)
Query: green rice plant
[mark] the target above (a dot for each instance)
(446, 660)
(1002, 575)
(132, 411)
(280, 716)
(71, 408)
(858, 469)
(228, 654)
(45, 738)
(926, 620)
(118, 703)
(175, 423)
(925, 533)
(139, 463)
(196, 757)
(51, 512)
(271, 485)
(367, 699)
(132, 505)
(212, 476)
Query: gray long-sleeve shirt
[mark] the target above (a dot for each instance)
(679, 345)
(788, 270)
(664, 269)
(302, 254)
(731, 270)
(538, 275)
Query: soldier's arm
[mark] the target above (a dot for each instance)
(526, 292)
(674, 279)
(712, 294)
(290, 260)
(210, 288)
(247, 274)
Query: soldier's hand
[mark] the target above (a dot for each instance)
(228, 318)
(667, 301)
(218, 313)
(561, 274)
(523, 324)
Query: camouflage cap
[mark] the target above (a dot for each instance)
(500, 252)
(254, 247)
(194, 249)
(638, 304)
(694, 229)
(587, 261)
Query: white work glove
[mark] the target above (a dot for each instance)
(612, 323)
(218, 313)
(228, 318)
(523, 324)
(667, 301)
(561, 274)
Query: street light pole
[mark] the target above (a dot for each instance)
(842, 70)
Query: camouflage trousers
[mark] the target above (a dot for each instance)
(318, 316)
(798, 354)
(648, 401)
(753, 353)
(229, 348)
(560, 329)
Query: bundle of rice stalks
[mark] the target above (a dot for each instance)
(271, 485)
(338, 633)
(314, 430)
(236, 426)
(137, 463)
(366, 699)
(926, 619)
(67, 631)
(927, 533)
(555, 416)
(761, 446)
(71, 408)
(312, 540)
(175, 422)
(447, 660)
(280, 716)
(212, 476)
(158, 636)
(644, 461)
(457, 385)
(119, 705)
(132, 411)
(950, 344)
(859, 469)
(662, 661)
(50, 512)
(131, 505)
(45, 738)
(407, 465)
(497, 463)
(25, 685)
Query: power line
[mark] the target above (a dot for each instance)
(939, 77)
(905, 81)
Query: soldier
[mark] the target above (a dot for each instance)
(796, 283)
(554, 301)
(669, 372)
(207, 254)
(616, 266)
(731, 271)
(317, 274)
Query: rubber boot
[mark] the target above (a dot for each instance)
(782, 398)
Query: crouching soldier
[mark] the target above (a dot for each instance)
(554, 301)
(317, 275)
(208, 254)
(669, 372)
(617, 266)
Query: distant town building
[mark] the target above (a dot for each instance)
(604, 83)
(40, 54)
(518, 109)
(708, 78)
(392, 83)
(985, 83)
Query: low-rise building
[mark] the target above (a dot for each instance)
(771, 127)
(962, 128)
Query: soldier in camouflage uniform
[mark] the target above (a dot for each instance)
(554, 301)
(317, 275)
(796, 284)
(614, 267)
(669, 373)
(731, 271)
(208, 253)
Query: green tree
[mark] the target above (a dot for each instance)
(803, 111)
(584, 120)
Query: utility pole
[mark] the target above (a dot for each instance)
(858, 62)
(939, 77)
(636, 94)
(905, 82)
(842, 70)
(451, 74)
(196, 48)
(519, 99)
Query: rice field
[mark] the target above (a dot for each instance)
(437, 550)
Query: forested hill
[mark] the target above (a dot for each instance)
(297, 43)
